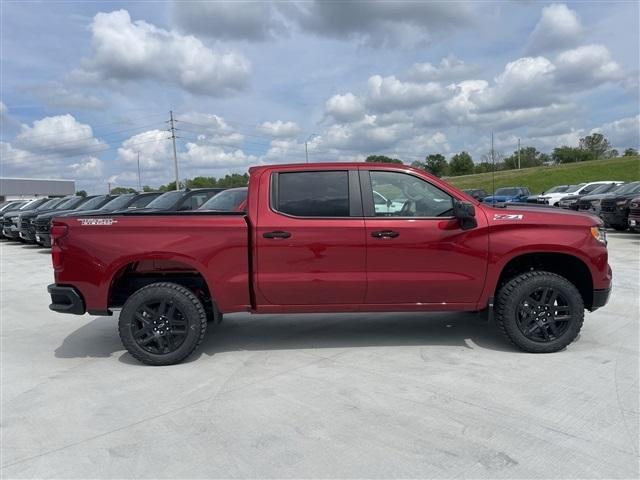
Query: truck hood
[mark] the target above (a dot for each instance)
(539, 216)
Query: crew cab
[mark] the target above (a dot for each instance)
(311, 240)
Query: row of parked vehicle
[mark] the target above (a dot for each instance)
(617, 203)
(30, 221)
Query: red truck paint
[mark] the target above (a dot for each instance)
(324, 264)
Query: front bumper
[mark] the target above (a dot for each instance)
(66, 299)
(613, 218)
(11, 232)
(27, 235)
(43, 239)
(600, 298)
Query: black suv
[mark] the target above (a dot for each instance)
(614, 209)
(571, 202)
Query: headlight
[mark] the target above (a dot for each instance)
(635, 205)
(599, 234)
(14, 220)
(621, 203)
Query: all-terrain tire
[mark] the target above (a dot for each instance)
(509, 305)
(190, 313)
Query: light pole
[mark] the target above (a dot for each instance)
(306, 148)
(139, 177)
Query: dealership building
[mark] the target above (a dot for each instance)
(20, 188)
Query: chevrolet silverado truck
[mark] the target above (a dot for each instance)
(311, 240)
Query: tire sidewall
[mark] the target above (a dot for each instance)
(190, 311)
(521, 291)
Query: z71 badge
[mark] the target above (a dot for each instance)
(507, 216)
(96, 221)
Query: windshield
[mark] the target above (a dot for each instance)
(602, 189)
(558, 189)
(32, 205)
(92, 204)
(508, 192)
(572, 188)
(50, 204)
(226, 201)
(70, 204)
(118, 202)
(628, 188)
(166, 200)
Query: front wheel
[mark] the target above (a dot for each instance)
(162, 324)
(540, 312)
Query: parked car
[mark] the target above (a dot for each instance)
(10, 222)
(231, 200)
(591, 202)
(42, 223)
(180, 200)
(556, 189)
(26, 228)
(581, 189)
(508, 194)
(614, 209)
(570, 202)
(634, 214)
(477, 193)
(11, 205)
(312, 241)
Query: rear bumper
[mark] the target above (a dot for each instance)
(600, 298)
(65, 299)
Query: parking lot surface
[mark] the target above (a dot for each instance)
(358, 395)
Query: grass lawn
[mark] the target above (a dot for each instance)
(539, 179)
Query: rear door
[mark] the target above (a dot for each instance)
(417, 253)
(310, 238)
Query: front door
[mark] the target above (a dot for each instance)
(416, 252)
(310, 240)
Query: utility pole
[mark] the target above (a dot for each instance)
(518, 154)
(493, 169)
(109, 188)
(139, 177)
(306, 151)
(175, 154)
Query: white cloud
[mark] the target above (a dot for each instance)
(56, 95)
(87, 168)
(155, 151)
(450, 68)
(209, 128)
(587, 66)
(3, 109)
(345, 108)
(199, 156)
(389, 93)
(126, 50)
(558, 28)
(61, 134)
(623, 133)
(280, 129)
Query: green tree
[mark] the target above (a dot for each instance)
(121, 190)
(461, 164)
(382, 159)
(81, 193)
(597, 145)
(630, 152)
(529, 157)
(202, 182)
(566, 154)
(233, 180)
(147, 188)
(436, 165)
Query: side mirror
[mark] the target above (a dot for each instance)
(465, 212)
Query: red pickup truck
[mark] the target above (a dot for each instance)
(333, 237)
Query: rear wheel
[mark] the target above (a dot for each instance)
(162, 324)
(540, 312)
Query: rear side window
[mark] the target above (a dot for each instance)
(313, 194)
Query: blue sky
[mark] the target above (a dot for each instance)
(86, 87)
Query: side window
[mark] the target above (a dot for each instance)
(198, 199)
(409, 196)
(313, 194)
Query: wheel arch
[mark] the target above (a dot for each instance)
(569, 266)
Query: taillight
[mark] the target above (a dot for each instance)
(58, 231)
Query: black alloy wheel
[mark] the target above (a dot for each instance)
(544, 315)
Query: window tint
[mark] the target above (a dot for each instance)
(226, 201)
(409, 196)
(142, 201)
(313, 194)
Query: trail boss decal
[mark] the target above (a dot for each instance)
(506, 216)
(96, 221)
